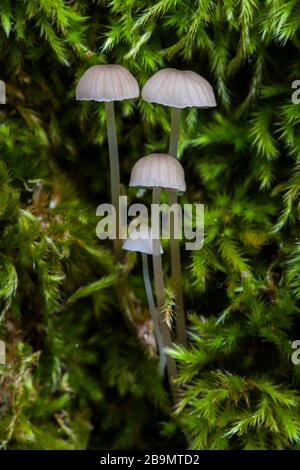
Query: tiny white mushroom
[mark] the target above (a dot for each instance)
(2, 93)
(178, 89)
(158, 170)
(141, 241)
(108, 83)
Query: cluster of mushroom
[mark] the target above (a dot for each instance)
(177, 90)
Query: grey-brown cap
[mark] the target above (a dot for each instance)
(179, 89)
(107, 82)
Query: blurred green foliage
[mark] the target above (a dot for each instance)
(78, 375)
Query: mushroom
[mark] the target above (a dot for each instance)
(109, 83)
(141, 241)
(178, 89)
(158, 171)
(2, 93)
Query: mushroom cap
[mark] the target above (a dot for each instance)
(2, 93)
(158, 170)
(141, 241)
(179, 89)
(107, 82)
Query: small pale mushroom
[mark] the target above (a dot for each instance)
(108, 83)
(142, 242)
(2, 93)
(178, 89)
(158, 171)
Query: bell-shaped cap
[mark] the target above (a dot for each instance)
(2, 93)
(158, 170)
(141, 240)
(107, 82)
(179, 89)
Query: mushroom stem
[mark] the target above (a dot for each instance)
(175, 121)
(160, 296)
(114, 171)
(154, 314)
(174, 243)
